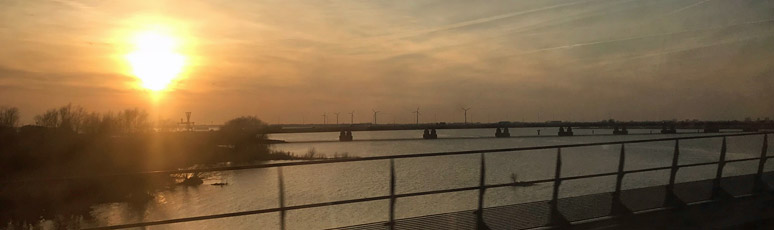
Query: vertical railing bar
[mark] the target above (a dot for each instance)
(717, 190)
(675, 161)
(557, 179)
(671, 198)
(618, 208)
(759, 183)
(721, 163)
(762, 161)
(556, 217)
(281, 198)
(481, 190)
(391, 224)
(621, 162)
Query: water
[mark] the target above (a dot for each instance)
(257, 188)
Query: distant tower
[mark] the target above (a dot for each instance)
(188, 124)
(352, 117)
(375, 112)
(417, 112)
(466, 113)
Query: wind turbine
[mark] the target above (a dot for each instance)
(352, 117)
(417, 112)
(466, 113)
(337, 118)
(325, 118)
(375, 112)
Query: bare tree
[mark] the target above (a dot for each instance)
(77, 119)
(9, 116)
(50, 119)
(67, 117)
(133, 121)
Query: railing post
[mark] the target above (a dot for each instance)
(618, 208)
(556, 217)
(391, 224)
(717, 189)
(760, 185)
(481, 190)
(670, 199)
(281, 198)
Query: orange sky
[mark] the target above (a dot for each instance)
(288, 61)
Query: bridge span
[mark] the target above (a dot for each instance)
(501, 129)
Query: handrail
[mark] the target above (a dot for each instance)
(386, 197)
(556, 217)
(402, 156)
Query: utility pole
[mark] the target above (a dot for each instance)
(325, 118)
(417, 112)
(466, 113)
(375, 112)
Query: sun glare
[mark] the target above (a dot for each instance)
(155, 59)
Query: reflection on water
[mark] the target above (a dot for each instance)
(257, 188)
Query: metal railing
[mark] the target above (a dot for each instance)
(556, 218)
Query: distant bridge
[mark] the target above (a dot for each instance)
(310, 128)
(501, 129)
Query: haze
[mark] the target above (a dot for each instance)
(290, 62)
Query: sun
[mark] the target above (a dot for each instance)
(155, 59)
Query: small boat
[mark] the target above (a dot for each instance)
(220, 183)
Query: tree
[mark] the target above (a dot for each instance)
(77, 119)
(244, 124)
(133, 121)
(67, 117)
(9, 116)
(244, 133)
(50, 119)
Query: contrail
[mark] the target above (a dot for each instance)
(74, 5)
(685, 8)
(514, 30)
(637, 37)
(681, 50)
(491, 18)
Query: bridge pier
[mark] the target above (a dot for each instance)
(430, 134)
(504, 133)
(563, 132)
(622, 131)
(668, 130)
(711, 129)
(345, 136)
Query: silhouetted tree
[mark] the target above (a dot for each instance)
(48, 119)
(9, 116)
(245, 134)
(133, 121)
(77, 119)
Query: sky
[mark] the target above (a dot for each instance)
(293, 61)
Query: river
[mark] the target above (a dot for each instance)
(257, 188)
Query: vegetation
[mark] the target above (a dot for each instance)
(70, 142)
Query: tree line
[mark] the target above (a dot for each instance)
(70, 141)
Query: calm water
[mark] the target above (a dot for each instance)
(257, 188)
